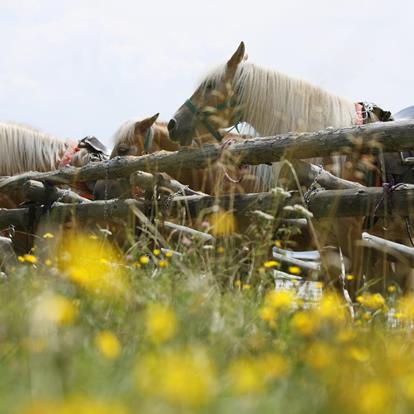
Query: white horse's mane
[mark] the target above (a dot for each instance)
(24, 148)
(274, 103)
(125, 132)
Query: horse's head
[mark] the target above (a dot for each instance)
(211, 107)
(142, 137)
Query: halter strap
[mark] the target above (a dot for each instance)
(68, 155)
(149, 136)
(231, 103)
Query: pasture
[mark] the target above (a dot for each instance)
(199, 269)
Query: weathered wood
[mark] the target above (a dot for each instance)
(329, 203)
(394, 249)
(38, 192)
(389, 136)
(309, 173)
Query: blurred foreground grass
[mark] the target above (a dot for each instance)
(84, 329)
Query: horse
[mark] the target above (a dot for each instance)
(27, 149)
(273, 103)
(145, 136)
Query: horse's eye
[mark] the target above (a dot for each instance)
(123, 150)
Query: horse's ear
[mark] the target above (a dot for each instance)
(146, 123)
(237, 57)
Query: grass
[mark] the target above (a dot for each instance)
(85, 330)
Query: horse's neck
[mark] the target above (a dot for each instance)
(161, 138)
(274, 103)
(25, 149)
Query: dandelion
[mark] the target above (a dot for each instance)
(160, 323)
(349, 277)
(29, 258)
(56, 309)
(246, 286)
(223, 223)
(246, 376)
(305, 323)
(144, 260)
(108, 344)
(374, 397)
(20, 259)
(48, 262)
(220, 250)
(183, 378)
(168, 254)
(80, 258)
(48, 236)
(372, 301)
(163, 263)
(391, 289)
(294, 270)
(267, 313)
(238, 283)
(280, 300)
(319, 355)
(156, 252)
(270, 264)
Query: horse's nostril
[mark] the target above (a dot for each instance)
(171, 125)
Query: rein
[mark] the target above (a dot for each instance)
(231, 103)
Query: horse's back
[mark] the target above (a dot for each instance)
(406, 113)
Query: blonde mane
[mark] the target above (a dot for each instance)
(26, 149)
(273, 103)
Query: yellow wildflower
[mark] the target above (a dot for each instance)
(144, 260)
(80, 258)
(30, 258)
(391, 289)
(48, 262)
(161, 323)
(267, 313)
(247, 286)
(156, 252)
(220, 250)
(319, 355)
(305, 323)
(108, 344)
(246, 376)
(272, 365)
(371, 300)
(223, 223)
(56, 309)
(238, 283)
(359, 354)
(184, 378)
(280, 300)
(163, 263)
(20, 259)
(168, 254)
(294, 270)
(278, 243)
(349, 277)
(48, 236)
(374, 397)
(271, 264)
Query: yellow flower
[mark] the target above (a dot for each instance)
(48, 262)
(48, 236)
(238, 283)
(273, 366)
(163, 263)
(391, 289)
(349, 277)
(267, 313)
(278, 243)
(223, 223)
(108, 344)
(294, 270)
(271, 264)
(156, 252)
(374, 397)
(93, 237)
(246, 376)
(247, 286)
(283, 300)
(78, 405)
(56, 309)
(220, 250)
(168, 254)
(144, 260)
(359, 354)
(319, 355)
(331, 308)
(30, 258)
(305, 323)
(80, 259)
(371, 300)
(20, 259)
(184, 378)
(161, 323)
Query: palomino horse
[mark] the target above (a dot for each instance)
(26, 149)
(272, 103)
(139, 137)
